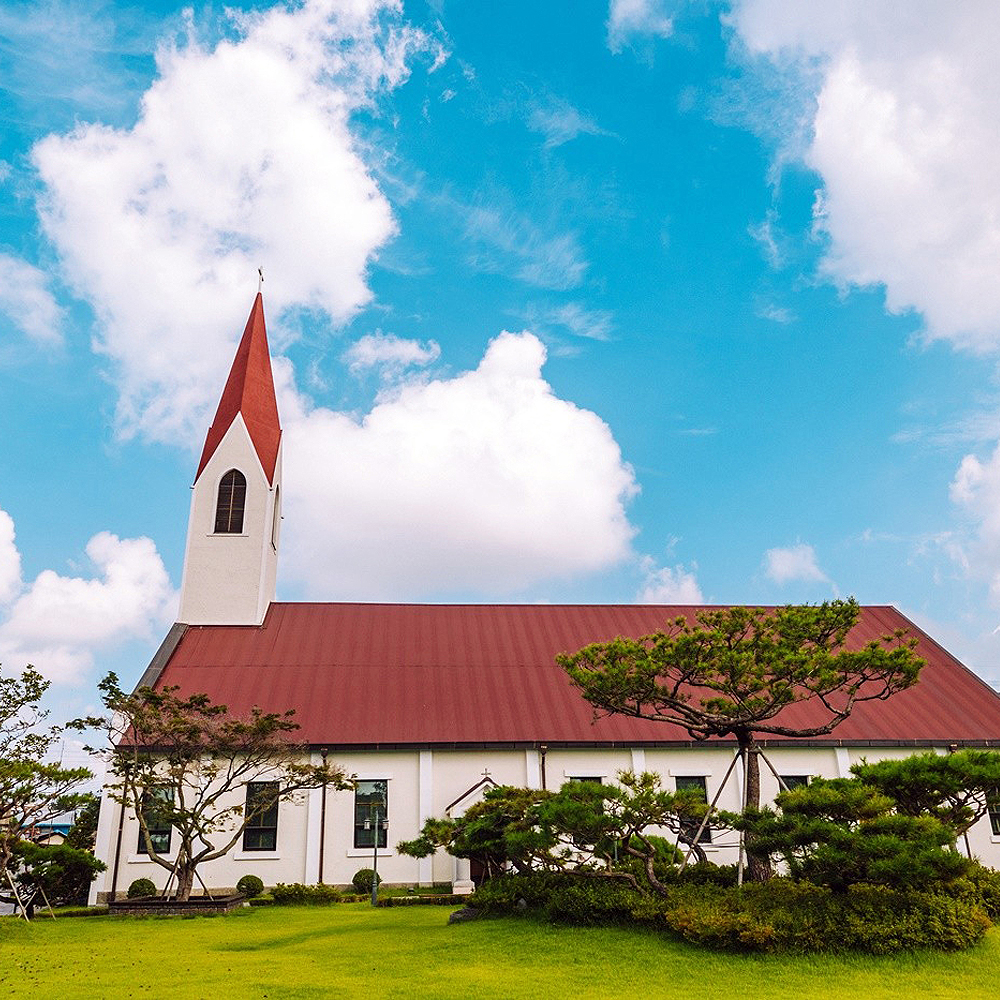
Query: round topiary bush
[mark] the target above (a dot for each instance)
(364, 879)
(141, 888)
(250, 886)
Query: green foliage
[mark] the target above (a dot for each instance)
(304, 895)
(62, 872)
(783, 915)
(31, 792)
(365, 879)
(141, 888)
(83, 833)
(953, 788)
(982, 885)
(250, 886)
(196, 755)
(737, 668)
(585, 827)
(780, 915)
(840, 832)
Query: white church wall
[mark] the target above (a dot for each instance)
(424, 783)
(229, 579)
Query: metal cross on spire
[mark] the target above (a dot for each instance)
(260, 283)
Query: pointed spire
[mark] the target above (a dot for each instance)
(250, 391)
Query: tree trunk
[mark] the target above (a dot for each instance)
(758, 866)
(185, 880)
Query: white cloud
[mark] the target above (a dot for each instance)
(59, 623)
(668, 585)
(976, 489)
(482, 481)
(797, 563)
(557, 120)
(27, 302)
(506, 240)
(241, 155)
(630, 18)
(390, 353)
(595, 324)
(775, 313)
(903, 135)
(10, 560)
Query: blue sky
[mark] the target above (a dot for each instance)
(569, 302)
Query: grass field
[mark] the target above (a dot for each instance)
(352, 951)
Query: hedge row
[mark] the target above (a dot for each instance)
(779, 915)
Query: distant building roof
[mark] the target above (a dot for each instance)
(249, 390)
(403, 675)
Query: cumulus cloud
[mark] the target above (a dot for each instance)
(484, 481)
(668, 585)
(10, 560)
(59, 623)
(241, 155)
(390, 353)
(794, 564)
(976, 491)
(904, 101)
(26, 301)
(628, 19)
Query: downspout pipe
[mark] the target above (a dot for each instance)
(543, 749)
(322, 817)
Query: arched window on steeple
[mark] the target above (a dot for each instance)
(232, 500)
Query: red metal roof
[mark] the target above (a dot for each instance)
(249, 390)
(400, 674)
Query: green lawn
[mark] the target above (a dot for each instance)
(350, 950)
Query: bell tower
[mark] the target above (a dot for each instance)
(231, 559)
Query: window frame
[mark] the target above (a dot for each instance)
(267, 826)
(366, 839)
(993, 810)
(699, 781)
(230, 511)
(793, 781)
(165, 793)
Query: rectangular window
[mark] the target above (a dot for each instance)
(595, 780)
(993, 804)
(261, 831)
(371, 813)
(794, 781)
(155, 805)
(698, 783)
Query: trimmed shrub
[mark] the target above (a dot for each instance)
(250, 886)
(779, 915)
(983, 885)
(364, 880)
(141, 888)
(298, 894)
(577, 899)
(782, 915)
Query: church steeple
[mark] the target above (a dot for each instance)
(230, 565)
(249, 390)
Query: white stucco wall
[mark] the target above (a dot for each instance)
(229, 579)
(424, 783)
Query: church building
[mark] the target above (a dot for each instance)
(428, 705)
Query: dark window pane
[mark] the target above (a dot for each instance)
(794, 781)
(371, 811)
(232, 500)
(154, 801)
(698, 783)
(595, 780)
(261, 832)
(993, 801)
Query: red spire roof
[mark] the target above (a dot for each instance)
(250, 391)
